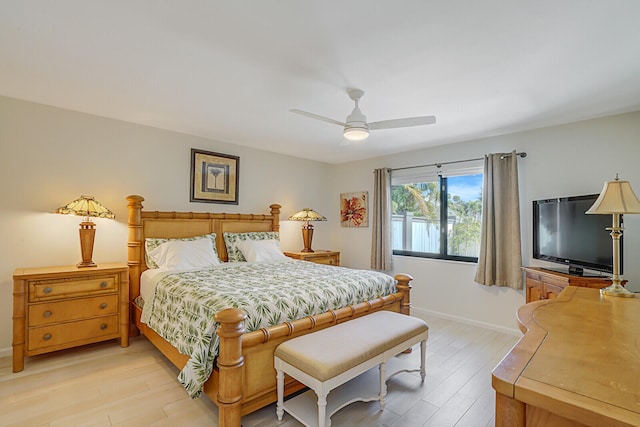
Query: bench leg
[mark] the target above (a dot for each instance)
(322, 410)
(423, 355)
(280, 388)
(383, 384)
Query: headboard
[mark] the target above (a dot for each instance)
(185, 224)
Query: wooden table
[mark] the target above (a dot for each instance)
(578, 363)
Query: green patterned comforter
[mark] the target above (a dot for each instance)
(183, 304)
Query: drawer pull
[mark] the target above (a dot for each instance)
(103, 284)
(103, 305)
(47, 313)
(46, 337)
(47, 290)
(103, 326)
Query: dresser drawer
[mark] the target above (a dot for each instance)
(43, 290)
(72, 332)
(76, 309)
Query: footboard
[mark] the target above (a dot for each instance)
(245, 379)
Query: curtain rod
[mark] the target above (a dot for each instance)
(523, 155)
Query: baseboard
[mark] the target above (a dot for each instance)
(498, 328)
(6, 352)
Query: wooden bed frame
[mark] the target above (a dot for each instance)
(244, 378)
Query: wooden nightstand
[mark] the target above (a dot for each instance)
(319, 257)
(61, 307)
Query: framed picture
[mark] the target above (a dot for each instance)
(214, 177)
(354, 210)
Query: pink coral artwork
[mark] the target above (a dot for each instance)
(354, 209)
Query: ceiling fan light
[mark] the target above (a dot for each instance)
(356, 133)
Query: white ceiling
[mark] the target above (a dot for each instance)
(231, 70)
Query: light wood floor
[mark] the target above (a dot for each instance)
(105, 385)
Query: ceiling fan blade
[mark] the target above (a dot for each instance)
(402, 123)
(317, 117)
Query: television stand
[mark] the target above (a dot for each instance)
(544, 284)
(577, 272)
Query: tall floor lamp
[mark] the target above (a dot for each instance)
(88, 207)
(616, 198)
(307, 215)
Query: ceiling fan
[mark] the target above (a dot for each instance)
(356, 127)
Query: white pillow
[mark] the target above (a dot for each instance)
(261, 250)
(150, 243)
(231, 239)
(185, 254)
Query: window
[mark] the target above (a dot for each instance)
(437, 213)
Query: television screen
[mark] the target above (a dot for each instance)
(563, 233)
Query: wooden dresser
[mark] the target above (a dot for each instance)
(576, 365)
(546, 284)
(319, 257)
(61, 307)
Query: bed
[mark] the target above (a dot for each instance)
(243, 379)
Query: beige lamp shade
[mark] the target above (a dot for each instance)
(616, 197)
(87, 207)
(307, 215)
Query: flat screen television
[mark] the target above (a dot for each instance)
(564, 234)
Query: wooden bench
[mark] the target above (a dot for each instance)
(330, 358)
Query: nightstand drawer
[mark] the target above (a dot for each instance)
(43, 290)
(328, 260)
(63, 311)
(66, 333)
(318, 257)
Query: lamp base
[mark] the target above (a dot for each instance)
(307, 235)
(84, 264)
(615, 290)
(87, 236)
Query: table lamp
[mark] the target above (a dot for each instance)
(307, 215)
(616, 198)
(88, 207)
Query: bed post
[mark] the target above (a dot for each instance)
(275, 211)
(230, 363)
(404, 286)
(134, 246)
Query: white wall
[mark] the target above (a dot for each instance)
(566, 160)
(50, 156)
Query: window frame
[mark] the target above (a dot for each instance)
(444, 210)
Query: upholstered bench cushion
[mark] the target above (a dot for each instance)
(332, 351)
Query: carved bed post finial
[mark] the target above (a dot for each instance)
(230, 363)
(134, 248)
(404, 286)
(275, 211)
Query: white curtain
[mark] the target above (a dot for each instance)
(381, 251)
(500, 259)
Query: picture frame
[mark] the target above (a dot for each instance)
(354, 209)
(214, 177)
